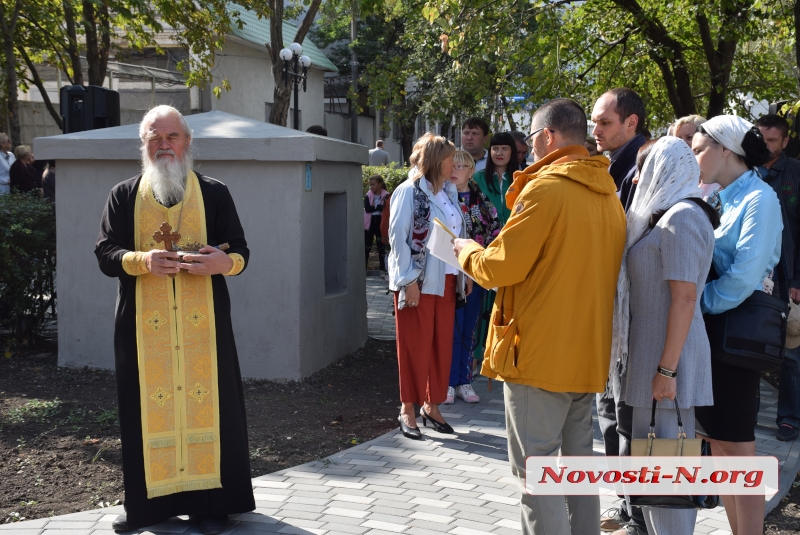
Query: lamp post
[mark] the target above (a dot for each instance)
(293, 62)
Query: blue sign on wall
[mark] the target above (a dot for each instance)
(308, 177)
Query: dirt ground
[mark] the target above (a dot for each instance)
(59, 435)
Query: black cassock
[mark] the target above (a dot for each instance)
(117, 238)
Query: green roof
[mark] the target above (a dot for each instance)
(255, 30)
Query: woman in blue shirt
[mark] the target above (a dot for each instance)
(747, 248)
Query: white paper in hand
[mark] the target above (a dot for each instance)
(440, 244)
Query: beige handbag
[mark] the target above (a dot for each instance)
(671, 447)
(666, 447)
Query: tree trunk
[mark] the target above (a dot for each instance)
(797, 38)
(445, 129)
(672, 65)
(407, 141)
(95, 25)
(72, 45)
(37, 81)
(8, 23)
(281, 96)
(511, 124)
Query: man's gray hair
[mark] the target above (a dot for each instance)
(565, 116)
(3, 137)
(159, 112)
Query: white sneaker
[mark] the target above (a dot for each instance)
(451, 396)
(466, 393)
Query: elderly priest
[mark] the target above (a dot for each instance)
(181, 407)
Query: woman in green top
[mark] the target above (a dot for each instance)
(500, 166)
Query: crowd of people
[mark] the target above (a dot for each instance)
(614, 259)
(19, 173)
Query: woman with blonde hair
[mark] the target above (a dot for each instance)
(483, 226)
(685, 127)
(424, 287)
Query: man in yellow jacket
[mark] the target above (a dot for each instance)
(556, 263)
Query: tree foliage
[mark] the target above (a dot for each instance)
(454, 58)
(58, 32)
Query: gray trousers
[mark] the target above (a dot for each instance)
(541, 423)
(662, 521)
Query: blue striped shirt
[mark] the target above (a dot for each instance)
(747, 243)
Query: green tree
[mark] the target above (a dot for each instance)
(55, 32)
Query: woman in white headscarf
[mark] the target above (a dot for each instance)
(660, 347)
(746, 250)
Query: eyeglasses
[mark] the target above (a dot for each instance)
(461, 167)
(529, 138)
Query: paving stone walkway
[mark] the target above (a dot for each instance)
(380, 321)
(459, 485)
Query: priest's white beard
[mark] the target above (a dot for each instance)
(167, 176)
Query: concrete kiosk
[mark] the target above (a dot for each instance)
(301, 302)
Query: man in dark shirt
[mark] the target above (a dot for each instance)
(619, 116)
(619, 122)
(783, 174)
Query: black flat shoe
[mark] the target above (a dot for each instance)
(120, 523)
(409, 432)
(439, 427)
(213, 524)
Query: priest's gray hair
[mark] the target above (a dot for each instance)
(160, 112)
(167, 178)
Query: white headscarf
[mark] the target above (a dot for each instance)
(670, 174)
(728, 131)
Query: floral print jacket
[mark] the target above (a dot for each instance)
(480, 216)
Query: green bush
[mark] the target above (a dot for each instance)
(27, 262)
(392, 174)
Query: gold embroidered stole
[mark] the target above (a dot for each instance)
(177, 352)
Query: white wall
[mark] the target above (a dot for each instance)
(249, 70)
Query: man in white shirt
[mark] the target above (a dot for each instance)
(378, 156)
(474, 132)
(6, 159)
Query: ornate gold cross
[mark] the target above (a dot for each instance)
(166, 236)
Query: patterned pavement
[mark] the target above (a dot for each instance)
(459, 485)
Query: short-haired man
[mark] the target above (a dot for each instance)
(522, 148)
(6, 160)
(619, 125)
(181, 404)
(783, 174)
(619, 121)
(378, 156)
(474, 133)
(551, 374)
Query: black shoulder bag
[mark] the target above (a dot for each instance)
(752, 335)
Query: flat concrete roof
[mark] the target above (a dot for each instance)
(216, 136)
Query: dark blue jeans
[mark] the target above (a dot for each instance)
(464, 338)
(789, 392)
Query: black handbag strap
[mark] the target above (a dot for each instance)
(681, 432)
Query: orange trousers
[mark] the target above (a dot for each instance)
(425, 345)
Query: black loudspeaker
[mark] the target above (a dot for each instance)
(790, 113)
(88, 108)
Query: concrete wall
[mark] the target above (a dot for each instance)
(285, 326)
